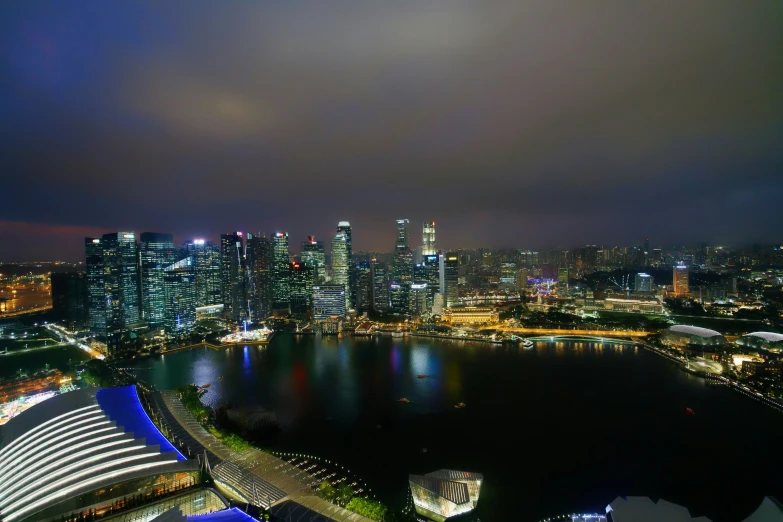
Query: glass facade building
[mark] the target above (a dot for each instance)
(121, 286)
(362, 273)
(680, 280)
(313, 255)
(451, 279)
(643, 282)
(281, 290)
(328, 302)
(96, 295)
(341, 258)
(428, 239)
(179, 284)
(402, 263)
(207, 271)
(301, 289)
(380, 283)
(259, 277)
(156, 253)
(445, 493)
(232, 257)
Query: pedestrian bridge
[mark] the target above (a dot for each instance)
(582, 338)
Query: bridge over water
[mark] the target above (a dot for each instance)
(582, 338)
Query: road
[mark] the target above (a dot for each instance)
(557, 331)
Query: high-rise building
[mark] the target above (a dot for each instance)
(418, 299)
(96, 292)
(179, 285)
(121, 286)
(156, 253)
(314, 256)
(232, 258)
(281, 290)
(680, 280)
(362, 273)
(428, 239)
(451, 279)
(328, 302)
(207, 271)
(258, 260)
(399, 297)
(432, 269)
(643, 282)
(69, 298)
(402, 264)
(508, 273)
(344, 227)
(341, 257)
(301, 289)
(380, 282)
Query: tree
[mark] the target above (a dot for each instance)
(368, 508)
(326, 491)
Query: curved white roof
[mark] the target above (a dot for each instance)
(76, 443)
(770, 337)
(693, 330)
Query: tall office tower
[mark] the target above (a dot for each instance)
(207, 270)
(563, 276)
(418, 300)
(340, 268)
(680, 280)
(451, 279)
(399, 297)
(647, 252)
(259, 277)
(156, 253)
(432, 269)
(643, 282)
(428, 239)
(328, 302)
(313, 255)
(402, 264)
(121, 286)
(69, 298)
(344, 227)
(362, 273)
(232, 257)
(380, 283)
(96, 293)
(301, 281)
(179, 289)
(281, 291)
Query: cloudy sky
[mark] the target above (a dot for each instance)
(509, 123)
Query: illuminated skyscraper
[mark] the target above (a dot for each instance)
(399, 297)
(380, 279)
(156, 253)
(301, 277)
(328, 302)
(643, 282)
(96, 293)
(362, 273)
(179, 285)
(680, 280)
(281, 290)
(402, 264)
(207, 271)
(340, 268)
(428, 239)
(232, 258)
(121, 286)
(313, 255)
(258, 259)
(451, 279)
(344, 227)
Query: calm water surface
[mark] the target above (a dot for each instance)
(562, 427)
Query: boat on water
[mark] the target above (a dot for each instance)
(205, 386)
(460, 405)
(397, 333)
(403, 400)
(689, 411)
(527, 344)
(421, 376)
(222, 377)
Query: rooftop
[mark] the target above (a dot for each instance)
(693, 330)
(767, 336)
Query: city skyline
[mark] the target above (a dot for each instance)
(514, 124)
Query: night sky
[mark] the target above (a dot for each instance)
(509, 123)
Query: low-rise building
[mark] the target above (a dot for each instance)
(680, 336)
(460, 315)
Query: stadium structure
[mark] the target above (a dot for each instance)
(681, 336)
(767, 341)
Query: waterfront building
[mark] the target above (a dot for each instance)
(301, 289)
(156, 252)
(259, 277)
(451, 279)
(344, 227)
(81, 454)
(341, 257)
(121, 286)
(767, 341)
(96, 296)
(232, 259)
(465, 315)
(445, 493)
(207, 271)
(70, 298)
(328, 302)
(643, 282)
(428, 247)
(281, 291)
(680, 336)
(179, 288)
(313, 255)
(380, 282)
(680, 280)
(418, 300)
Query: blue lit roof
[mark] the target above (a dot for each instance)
(122, 405)
(227, 515)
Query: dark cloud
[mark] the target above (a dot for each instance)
(509, 123)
